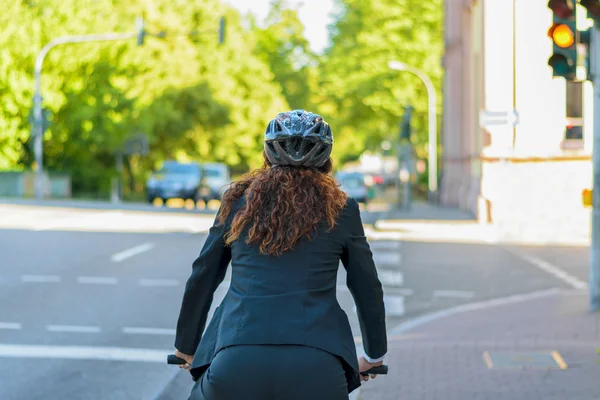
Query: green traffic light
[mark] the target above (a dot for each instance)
(561, 66)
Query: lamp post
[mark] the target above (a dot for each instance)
(433, 154)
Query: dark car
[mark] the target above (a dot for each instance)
(177, 180)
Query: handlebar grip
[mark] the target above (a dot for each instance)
(381, 370)
(174, 360)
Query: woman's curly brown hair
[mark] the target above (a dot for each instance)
(283, 204)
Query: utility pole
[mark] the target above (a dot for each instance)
(37, 98)
(433, 141)
(594, 286)
(405, 160)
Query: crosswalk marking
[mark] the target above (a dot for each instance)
(387, 258)
(390, 278)
(394, 306)
(383, 245)
(459, 294)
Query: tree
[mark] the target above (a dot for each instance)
(282, 45)
(193, 99)
(364, 97)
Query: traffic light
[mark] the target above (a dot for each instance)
(405, 128)
(46, 116)
(564, 35)
(592, 7)
(222, 30)
(139, 24)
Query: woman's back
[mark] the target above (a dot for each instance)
(285, 229)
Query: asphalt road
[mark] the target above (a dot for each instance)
(89, 296)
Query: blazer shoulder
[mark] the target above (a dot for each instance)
(350, 216)
(351, 207)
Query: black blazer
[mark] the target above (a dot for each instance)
(290, 299)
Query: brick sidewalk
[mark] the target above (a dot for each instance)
(444, 359)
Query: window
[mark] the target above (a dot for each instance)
(574, 123)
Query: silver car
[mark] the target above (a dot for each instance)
(353, 184)
(218, 178)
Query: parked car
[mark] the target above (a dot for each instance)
(353, 184)
(177, 180)
(218, 178)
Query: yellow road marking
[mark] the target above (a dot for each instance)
(559, 360)
(488, 360)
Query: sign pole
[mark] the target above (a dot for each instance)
(594, 286)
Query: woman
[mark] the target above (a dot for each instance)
(279, 332)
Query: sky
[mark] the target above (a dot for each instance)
(314, 14)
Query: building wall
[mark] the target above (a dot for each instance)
(527, 180)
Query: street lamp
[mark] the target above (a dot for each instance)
(433, 156)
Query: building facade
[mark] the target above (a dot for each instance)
(527, 178)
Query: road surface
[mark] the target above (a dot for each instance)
(89, 296)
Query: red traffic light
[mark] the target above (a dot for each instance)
(562, 8)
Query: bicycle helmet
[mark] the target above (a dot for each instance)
(298, 138)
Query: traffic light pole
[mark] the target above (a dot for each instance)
(37, 98)
(594, 285)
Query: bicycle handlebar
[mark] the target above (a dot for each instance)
(172, 359)
(381, 370)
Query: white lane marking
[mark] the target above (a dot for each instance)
(125, 254)
(73, 328)
(390, 278)
(148, 331)
(158, 282)
(424, 319)
(84, 353)
(97, 280)
(458, 294)
(389, 258)
(41, 278)
(10, 325)
(552, 269)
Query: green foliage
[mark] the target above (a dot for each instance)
(196, 99)
(365, 97)
(284, 48)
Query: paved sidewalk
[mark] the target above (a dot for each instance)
(424, 211)
(486, 353)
